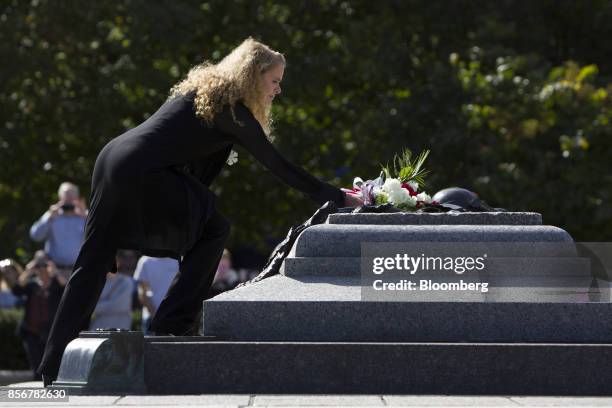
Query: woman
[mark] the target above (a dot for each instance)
(10, 270)
(41, 286)
(150, 189)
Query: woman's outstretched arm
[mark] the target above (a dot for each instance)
(252, 137)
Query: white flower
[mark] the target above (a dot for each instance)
(414, 185)
(233, 158)
(423, 197)
(391, 185)
(412, 201)
(401, 196)
(403, 200)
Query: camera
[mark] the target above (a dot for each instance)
(67, 207)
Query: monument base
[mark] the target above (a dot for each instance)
(203, 365)
(315, 329)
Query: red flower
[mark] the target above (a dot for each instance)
(410, 190)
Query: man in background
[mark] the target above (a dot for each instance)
(154, 276)
(114, 307)
(62, 227)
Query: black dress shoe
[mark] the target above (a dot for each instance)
(47, 380)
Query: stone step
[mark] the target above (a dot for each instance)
(310, 309)
(449, 218)
(510, 268)
(211, 367)
(337, 240)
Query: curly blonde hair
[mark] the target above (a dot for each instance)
(235, 77)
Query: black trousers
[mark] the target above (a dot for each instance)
(178, 312)
(34, 346)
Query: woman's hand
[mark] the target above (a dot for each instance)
(352, 200)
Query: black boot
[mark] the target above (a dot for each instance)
(47, 380)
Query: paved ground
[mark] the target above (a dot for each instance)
(311, 401)
(14, 376)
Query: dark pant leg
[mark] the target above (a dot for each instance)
(78, 301)
(34, 346)
(178, 312)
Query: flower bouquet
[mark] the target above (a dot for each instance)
(397, 184)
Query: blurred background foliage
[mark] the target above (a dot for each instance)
(512, 97)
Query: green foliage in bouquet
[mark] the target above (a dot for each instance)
(406, 169)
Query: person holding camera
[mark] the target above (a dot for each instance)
(7, 298)
(62, 227)
(41, 287)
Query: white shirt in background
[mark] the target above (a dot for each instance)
(158, 273)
